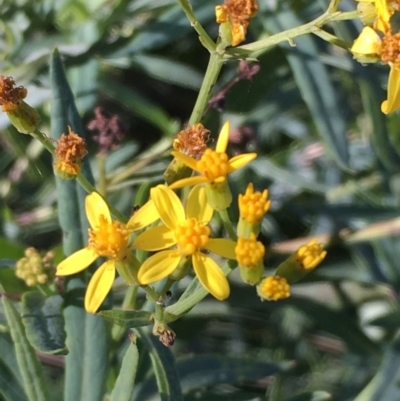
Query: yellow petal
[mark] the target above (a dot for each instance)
(393, 101)
(197, 205)
(210, 276)
(189, 161)
(368, 42)
(158, 266)
(222, 246)
(99, 286)
(76, 262)
(221, 14)
(168, 205)
(240, 161)
(223, 138)
(95, 206)
(146, 215)
(188, 182)
(155, 239)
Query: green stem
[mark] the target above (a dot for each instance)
(206, 41)
(101, 166)
(167, 286)
(310, 27)
(226, 221)
(128, 303)
(211, 76)
(186, 302)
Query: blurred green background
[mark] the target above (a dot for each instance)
(328, 156)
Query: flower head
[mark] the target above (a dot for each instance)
(10, 96)
(69, 152)
(214, 167)
(250, 254)
(274, 288)
(369, 47)
(252, 207)
(301, 262)
(236, 14)
(24, 118)
(187, 231)
(107, 238)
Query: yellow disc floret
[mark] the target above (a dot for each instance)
(310, 255)
(214, 166)
(253, 205)
(249, 252)
(191, 236)
(274, 288)
(109, 239)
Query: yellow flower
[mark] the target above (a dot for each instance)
(214, 166)
(305, 259)
(369, 45)
(235, 14)
(273, 288)
(188, 231)
(107, 238)
(250, 254)
(252, 207)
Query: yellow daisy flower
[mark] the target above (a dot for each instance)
(107, 238)
(214, 166)
(188, 232)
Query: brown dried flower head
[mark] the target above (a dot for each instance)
(69, 153)
(10, 96)
(390, 50)
(192, 141)
(237, 13)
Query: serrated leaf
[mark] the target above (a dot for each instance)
(44, 322)
(126, 318)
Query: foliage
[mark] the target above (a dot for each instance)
(327, 154)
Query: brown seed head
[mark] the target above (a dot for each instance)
(192, 141)
(391, 49)
(10, 96)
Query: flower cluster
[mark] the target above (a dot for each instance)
(35, 268)
(379, 43)
(181, 237)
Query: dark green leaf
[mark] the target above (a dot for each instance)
(44, 322)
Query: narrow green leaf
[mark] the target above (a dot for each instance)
(10, 388)
(385, 385)
(28, 362)
(316, 87)
(208, 370)
(165, 372)
(124, 386)
(382, 145)
(44, 322)
(336, 323)
(11, 383)
(126, 318)
(87, 340)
